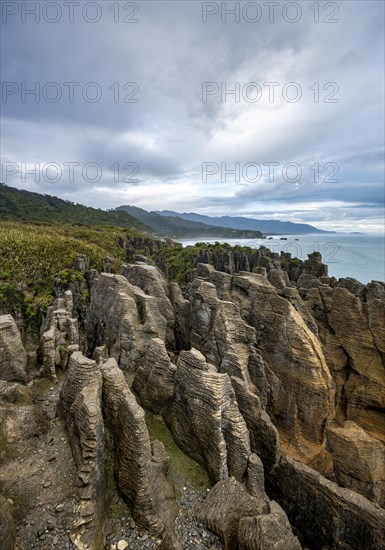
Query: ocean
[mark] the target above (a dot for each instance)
(346, 255)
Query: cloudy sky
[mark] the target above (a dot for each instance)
(132, 104)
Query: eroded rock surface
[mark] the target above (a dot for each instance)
(81, 407)
(124, 318)
(267, 532)
(359, 460)
(225, 506)
(125, 420)
(60, 332)
(205, 420)
(7, 527)
(311, 501)
(292, 372)
(351, 323)
(252, 367)
(13, 357)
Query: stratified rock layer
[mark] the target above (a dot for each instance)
(359, 460)
(329, 515)
(351, 323)
(13, 358)
(60, 331)
(267, 532)
(292, 372)
(225, 506)
(124, 318)
(125, 420)
(7, 527)
(205, 420)
(80, 407)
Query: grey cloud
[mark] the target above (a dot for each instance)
(170, 132)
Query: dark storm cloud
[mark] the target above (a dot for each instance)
(169, 132)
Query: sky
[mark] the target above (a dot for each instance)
(271, 110)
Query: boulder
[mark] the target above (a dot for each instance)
(267, 532)
(225, 506)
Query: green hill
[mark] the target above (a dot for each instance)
(179, 228)
(16, 204)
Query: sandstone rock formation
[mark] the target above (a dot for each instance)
(124, 318)
(80, 407)
(7, 527)
(125, 420)
(267, 532)
(13, 358)
(153, 283)
(311, 501)
(225, 506)
(268, 373)
(205, 420)
(292, 372)
(60, 330)
(245, 521)
(359, 460)
(351, 323)
(154, 381)
(91, 395)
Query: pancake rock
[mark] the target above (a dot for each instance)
(292, 370)
(310, 500)
(13, 357)
(154, 381)
(125, 420)
(245, 521)
(205, 420)
(267, 532)
(80, 406)
(351, 322)
(7, 527)
(59, 331)
(359, 460)
(153, 283)
(124, 318)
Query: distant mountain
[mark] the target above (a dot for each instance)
(17, 204)
(268, 227)
(179, 228)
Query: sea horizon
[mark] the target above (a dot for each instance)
(358, 256)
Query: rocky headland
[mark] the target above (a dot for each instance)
(265, 373)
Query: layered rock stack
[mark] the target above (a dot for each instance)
(60, 336)
(271, 379)
(93, 398)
